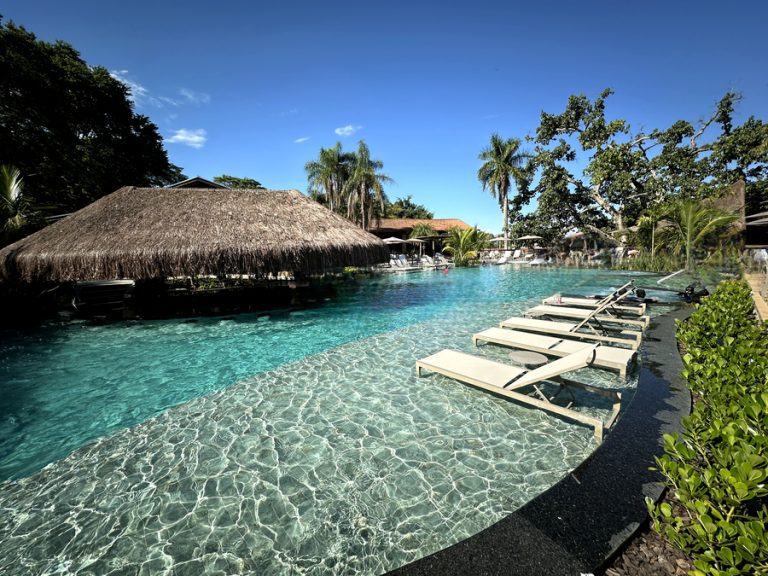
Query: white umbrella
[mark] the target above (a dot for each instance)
(531, 237)
(498, 239)
(393, 240)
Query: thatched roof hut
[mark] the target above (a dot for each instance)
(160, 232)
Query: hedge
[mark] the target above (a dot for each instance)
(717, 469)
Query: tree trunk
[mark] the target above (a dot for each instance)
(505, 229)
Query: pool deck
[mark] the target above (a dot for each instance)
(756, 282)
(577, 526)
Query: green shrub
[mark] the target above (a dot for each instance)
(718, 468)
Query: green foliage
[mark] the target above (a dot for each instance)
(349, 183)
(502, 163)
(327, 176)
(237, 183)
(464, 245)
(422, 230)
(719, 466)
(364, 190)
(14, 207)
(406, 208)
(625, 174)
(70, 127)
(691, 223)
(646, 262)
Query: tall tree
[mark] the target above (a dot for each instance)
(237, 183)
(364, 189)
(406, 208)
(624, 174)
(328, 174)
(502, 161)
(70, 127)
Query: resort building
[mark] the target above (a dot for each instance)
(402, 227)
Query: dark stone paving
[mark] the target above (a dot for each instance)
(575, 526)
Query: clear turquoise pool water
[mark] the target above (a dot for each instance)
(299, 442)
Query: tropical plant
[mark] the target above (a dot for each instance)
(365, 187)
(328, 174)
(464, 245)
(690, 223)
(716, 469)
(502, 161)
(422, 229)
(13, 204)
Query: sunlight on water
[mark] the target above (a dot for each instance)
(303, 442)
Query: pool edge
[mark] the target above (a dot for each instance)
(578, 524)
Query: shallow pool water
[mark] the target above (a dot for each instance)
(299, 443)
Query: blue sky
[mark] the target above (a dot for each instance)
(256, 88)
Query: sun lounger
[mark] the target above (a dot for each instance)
(505, 380)
(605, 356)
(585, 302)
(608, 302)
(583, 314)
(630, 338)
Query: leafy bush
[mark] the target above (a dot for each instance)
(660, 262)
(718, 468)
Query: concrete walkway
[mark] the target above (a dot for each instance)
(757, 283)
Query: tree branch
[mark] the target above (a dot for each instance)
(604, 235)
(702, 129)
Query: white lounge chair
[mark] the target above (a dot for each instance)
(612, 300)
(504, 259)
(605, 356)
(629, 338)
(591, 303)
(583, 314)
(505, 380)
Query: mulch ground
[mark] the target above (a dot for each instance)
(650, 555)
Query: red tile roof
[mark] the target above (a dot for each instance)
(437, 224)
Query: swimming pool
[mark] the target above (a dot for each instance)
(301, 442)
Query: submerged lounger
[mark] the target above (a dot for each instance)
(586, 302)
(629, 338)
(504, 380)
(583, 314)
(605, 356)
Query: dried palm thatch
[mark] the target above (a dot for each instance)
(160, 232)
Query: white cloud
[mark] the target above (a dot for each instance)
(192, 138)
(193, 97)
(141, 96)
(300, 140)
(137, 92)
(347, 130)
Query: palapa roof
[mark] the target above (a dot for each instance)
(160, 232)
(437, 224)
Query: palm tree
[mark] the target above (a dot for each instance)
(690, 222)
(13, 204)
(364, 187)
(464, 245)
(328, 174)
(422, 229)
(502, 161)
